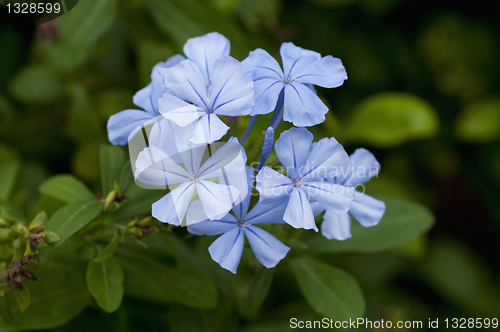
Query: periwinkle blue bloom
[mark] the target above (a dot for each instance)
(308, 166)
(365, 209)
(301, 69)
(127, 123)
(227, 249)
(217, 195)
(230, 93)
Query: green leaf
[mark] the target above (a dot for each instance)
(80, 29)
(179, 21)
(402, 222)
(462, 278)
(110, 248)
(105, 282)
(83, 120)
(8, 175)
(112, 159)
(58, 296)
(36, 84)
(71, 218)
(149, 279)
(258, 291)
(329, 290)
(479, 121)
(67, 188)
(23, 299)
(11, 213)
(391, 118)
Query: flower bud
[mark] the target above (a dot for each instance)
(51, 237)
(109, 199)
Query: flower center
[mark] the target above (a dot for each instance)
(296, 183)
(287, 80)
(192, 177)
(241, 223)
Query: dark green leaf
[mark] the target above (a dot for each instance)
(10, 212)
(258, 291)
(36, 84)
(479, 121)
(391, 118)
(110, 248)
(58, 296)
(112, 160)
(146, 278)
(329, 290)
(403, 221)
(83, 120)
(72, 217)
(80, 29)
(105, 282)
(8, 175)
(67, 188)
(23, 299)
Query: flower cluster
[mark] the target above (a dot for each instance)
(210, 184)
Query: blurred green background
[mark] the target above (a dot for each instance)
(422, 95)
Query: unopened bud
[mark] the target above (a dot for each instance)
(135, 232)
(144, 222)
(51, 237)
(109, 199)
(21, 229)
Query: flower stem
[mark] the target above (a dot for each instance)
(250, 125)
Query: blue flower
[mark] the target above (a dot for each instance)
(212, 181)
(230, 93)
(301, 69)
(127, 123)
(203, 50)
(308, 165)
(227, 249)
(365, 209)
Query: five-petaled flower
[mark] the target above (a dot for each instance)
(365, 209)
(227, 249)
(301, 68)
(308, 165)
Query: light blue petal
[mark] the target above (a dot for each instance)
(186, 81)
(296, 58)
(302, 107)
(207, 227)
(271, 213)
(367, 210)
(205, 50)
(336, 226)
(316, 208)
(161, 68)
(331, 196)
(172, 207)
(267, 147)
(163, 136)
(327, 72)
(178, 111)
(155, 168)
(267, 249)
(227, 157)
(234, 140)
(216, 198)
(241, 210)
(361, 167)
(231, 92)
(326, 160)
(298, 213)
(227, 249)
(125, 123)
(292, 149)
(261, 65)
(144, 98)
(267, 91)
(209, 129)
(272, 186)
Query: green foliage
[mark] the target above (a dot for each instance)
(112, 159)
(328, 290)
(67, 188)
(402, 222)
(37, 84)
(105, 282)
(73, 217)
(479, 121)
(389, 119)
(8, 176)
(80, 30)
